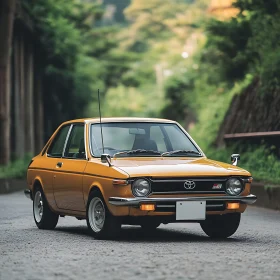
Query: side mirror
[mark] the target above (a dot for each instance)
(235, 158)
(106, 158)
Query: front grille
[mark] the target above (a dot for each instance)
(171, 206)
(176, 185)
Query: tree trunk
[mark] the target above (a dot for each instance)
(7, 11)
(29, 107)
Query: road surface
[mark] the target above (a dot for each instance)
(177, 251)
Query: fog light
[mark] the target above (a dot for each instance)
(147, 207)
(232, 205)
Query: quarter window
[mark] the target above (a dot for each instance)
(57, 145)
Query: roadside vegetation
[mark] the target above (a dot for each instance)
(191, 64)
(236, 51)
(171, 59)
(16, 169)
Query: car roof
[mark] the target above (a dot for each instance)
(123, 119)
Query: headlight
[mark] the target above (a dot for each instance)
(234, 186)
(141, 187)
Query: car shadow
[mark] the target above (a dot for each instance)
(137, 235)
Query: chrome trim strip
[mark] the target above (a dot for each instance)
(121, 201)
(166, 206)
(207, 205)
(67, 138)
(214, 205)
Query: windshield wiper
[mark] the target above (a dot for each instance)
(181, 152)
(138, 151)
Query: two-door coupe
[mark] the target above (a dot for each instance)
(141, 172)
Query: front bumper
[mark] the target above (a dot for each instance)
(120, 201)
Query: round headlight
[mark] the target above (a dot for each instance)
(234, 186)
(141, 187)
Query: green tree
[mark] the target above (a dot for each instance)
(79, 56)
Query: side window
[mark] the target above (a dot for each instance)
(157, 135)
(57, 145)
(76, 144)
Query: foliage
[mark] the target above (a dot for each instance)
(248, 43)
(235, 52)
(212, 109)
(15, 169)
(252, 159)
(156, 34)
(78, 57)
(178, 90)
(140, 64)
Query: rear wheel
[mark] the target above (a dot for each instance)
(101, 223)
(221, 226)
(43, 215)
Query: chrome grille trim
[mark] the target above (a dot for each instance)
(188, 192)
(175, 185)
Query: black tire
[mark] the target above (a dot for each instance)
(221, 226)
(110, 227)
(44, 218)
(150, 225)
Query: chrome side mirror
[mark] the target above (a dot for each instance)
(106, 158)
(235, 158)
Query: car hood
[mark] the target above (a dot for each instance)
(176, 167)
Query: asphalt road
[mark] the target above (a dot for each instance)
(176, 251)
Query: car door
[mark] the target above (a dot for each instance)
(68, 174)
(48, 162)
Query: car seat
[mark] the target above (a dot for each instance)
(141, 142)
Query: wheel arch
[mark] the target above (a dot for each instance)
(37, 183)
(95, 186)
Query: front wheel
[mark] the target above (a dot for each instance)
(221, 226)
(43, 215)
(101, 223)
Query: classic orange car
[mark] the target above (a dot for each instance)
(135, 171)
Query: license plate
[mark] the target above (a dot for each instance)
(190, 210)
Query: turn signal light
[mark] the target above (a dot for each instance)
(147, 207)
(118, 182)
(232, 205)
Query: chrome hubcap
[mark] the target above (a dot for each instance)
(38, 207)
(96, 214)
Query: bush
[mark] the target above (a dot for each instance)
(259, 160)
(16, 169)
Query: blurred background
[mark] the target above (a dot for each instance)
(212, 65)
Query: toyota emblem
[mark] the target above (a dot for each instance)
(189, 185)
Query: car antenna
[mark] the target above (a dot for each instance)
(100, 121)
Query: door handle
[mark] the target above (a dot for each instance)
(59, 164)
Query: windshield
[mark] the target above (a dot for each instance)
(141, 139)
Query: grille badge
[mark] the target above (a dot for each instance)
(217, 186)
(189, 185)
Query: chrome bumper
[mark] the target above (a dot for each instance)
(27, 193)
(120, 201)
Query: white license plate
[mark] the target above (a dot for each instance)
(190, 210)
